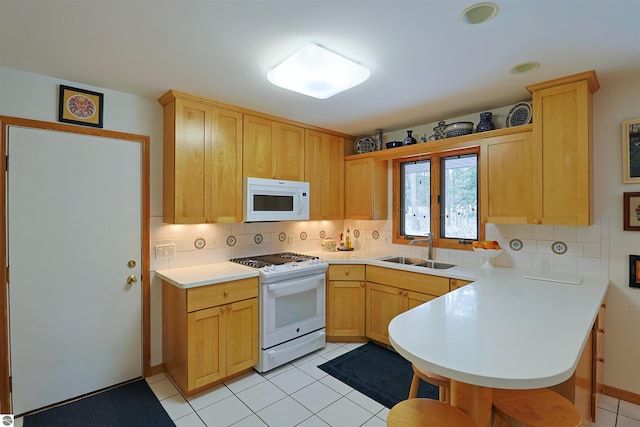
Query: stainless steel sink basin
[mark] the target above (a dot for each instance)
(437, 265)
(405, 260)
(419, 262)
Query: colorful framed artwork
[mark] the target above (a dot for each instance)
(80, 106)
(631, 211)
(634, 271)
(631, 151)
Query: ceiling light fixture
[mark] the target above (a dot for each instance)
(317, 72)
(479, 13)
(525, 67)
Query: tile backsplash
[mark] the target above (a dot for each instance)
(583, 250)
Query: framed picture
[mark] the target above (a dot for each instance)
(634, 271)
(631, 151)
(80, 107)
(632, 211)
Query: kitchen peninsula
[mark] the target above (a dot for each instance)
(506, 332)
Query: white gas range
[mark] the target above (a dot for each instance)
(292, 306)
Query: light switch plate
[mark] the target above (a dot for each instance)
(166, 251)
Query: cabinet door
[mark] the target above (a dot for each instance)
(457, 283)
(507, 179)
(345, 308)
(289, 152)
(206, 351)
(333, 177)
(324, 170)
(186, 163)
(365, 189)
(383, 304)
(225, 189)
(241, 335)
(313, 168)
(259, 159)
(562, 129)
(414, 299)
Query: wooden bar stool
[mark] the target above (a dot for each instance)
(533, 408)
(443, 383)
(427, 413)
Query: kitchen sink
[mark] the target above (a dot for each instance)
(419, 262)
(405, 260)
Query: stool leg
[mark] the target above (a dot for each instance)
(415, 383)
(444, 394)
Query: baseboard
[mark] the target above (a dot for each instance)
(157, 369)
(621, 394)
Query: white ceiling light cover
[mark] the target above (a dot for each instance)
(317, 72)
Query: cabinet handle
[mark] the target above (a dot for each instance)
(601, 331)
(536, 221)
(603, 305)
(346, 272)
(399, 291)
(362, 284)
(600, 359)
(226, 292)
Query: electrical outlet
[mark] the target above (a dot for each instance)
(543, 263)
(166, 251)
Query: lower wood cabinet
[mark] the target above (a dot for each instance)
(210, 332)
(385, 298)
(345, 302)
(457, 283)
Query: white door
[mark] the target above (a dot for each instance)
(74, 223)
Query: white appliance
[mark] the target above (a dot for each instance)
(275, 200)
(292, 306)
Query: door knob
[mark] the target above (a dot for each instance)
(132, 280)
(131, 264)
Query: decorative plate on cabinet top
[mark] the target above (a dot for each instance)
(364, 144)
(519, 115)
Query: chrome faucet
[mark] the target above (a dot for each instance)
(429, 240)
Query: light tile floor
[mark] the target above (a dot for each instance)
(300, 394)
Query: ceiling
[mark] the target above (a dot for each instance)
(426, 65)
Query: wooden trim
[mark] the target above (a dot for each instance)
(589, 76)
(155, 370)
(619, 393)
(5, 121)
(171, 94)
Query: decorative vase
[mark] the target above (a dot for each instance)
(379, 139)
(438, 131)
(485, 123)
(409, 139)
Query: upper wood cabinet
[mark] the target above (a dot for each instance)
(507, 179)
(563, 149)
(202, 164)
(324, 170)
(273, 150)
(365, 189)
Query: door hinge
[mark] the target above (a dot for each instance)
(8, 274)
(6, 163)
(10, 384)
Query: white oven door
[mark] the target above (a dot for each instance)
(291, 308)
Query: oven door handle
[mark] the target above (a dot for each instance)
(295, 286)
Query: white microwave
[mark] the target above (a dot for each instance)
(275, 200)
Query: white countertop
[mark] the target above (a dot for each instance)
(207, 274)
(503, 330)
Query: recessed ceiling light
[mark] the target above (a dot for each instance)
(317, 72)
(525, 67)
(479, 13)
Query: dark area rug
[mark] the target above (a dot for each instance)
(381, 374)
(132, 404)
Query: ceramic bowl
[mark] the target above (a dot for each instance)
(458, 129)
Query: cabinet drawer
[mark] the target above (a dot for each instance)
(346, 272)
(221, 293)
(424, 283)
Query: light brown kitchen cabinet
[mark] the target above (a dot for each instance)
(507, 179)
(273, 150)
(365, 189)
(209, 333)
(202, 161)
(324, 170)
(563, 149)
(345, 302)
(390, 292)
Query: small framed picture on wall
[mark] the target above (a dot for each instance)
(80, 106)
(634, 271)
(631, 151)
(631, 206)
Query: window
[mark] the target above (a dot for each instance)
(438, 194)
